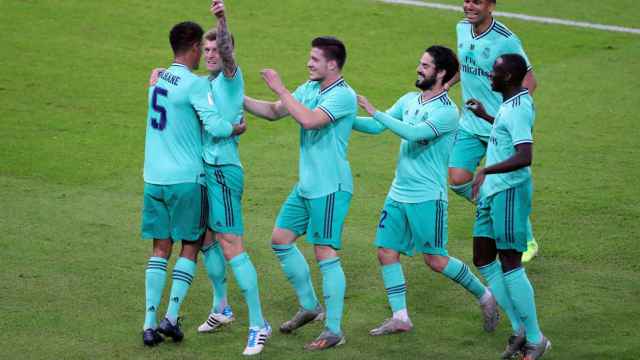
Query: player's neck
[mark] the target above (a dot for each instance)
(483, 26)
(431, 93)
(182, 60)
(511, 91)
(330, 79)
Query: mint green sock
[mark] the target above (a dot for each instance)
(463, 190)
(523, 298)
(296, 269)
(395, 285)
(155, 279)
(183, 273)
(333, 287)
(247, 279)
(459, 272)
(215, 264)
(492, 274)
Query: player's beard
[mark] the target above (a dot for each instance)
(426, 83)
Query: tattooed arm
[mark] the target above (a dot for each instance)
(223, 39)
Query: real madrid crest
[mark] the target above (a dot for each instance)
(486, 52)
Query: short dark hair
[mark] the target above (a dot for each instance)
(212, 35)
(444, 59)
(184, 35)
(332, 48)
(515, 65)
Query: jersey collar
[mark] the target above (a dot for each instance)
(181, 65)
(523, 92)
(443, 94)
(339, 81)
(476, 37)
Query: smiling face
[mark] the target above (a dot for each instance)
(478, 11)
(211, 56)
(318, 65)
(427, 72)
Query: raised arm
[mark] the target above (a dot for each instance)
(223, 39)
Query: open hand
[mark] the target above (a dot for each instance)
(272, 79)
(155, 75)
(366, 105)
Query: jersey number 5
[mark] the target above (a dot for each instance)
(159, 125)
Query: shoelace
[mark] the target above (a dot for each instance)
(253, 333)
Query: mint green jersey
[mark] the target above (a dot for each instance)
(228, 96)
(421, 172)
(179, 107)
(512, 126)
(477, 54)
(323, 166)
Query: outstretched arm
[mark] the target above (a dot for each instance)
(368, 125)
(402, 129)
(269, 110)
(223, 39)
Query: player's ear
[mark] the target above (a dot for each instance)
(492, 5)
(332, 65)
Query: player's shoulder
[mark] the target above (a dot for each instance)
(501, 30)
(444, 106)
(520, 103)
(339, 88)
(463, 24)
(409, 96)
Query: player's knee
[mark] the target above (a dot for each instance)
(324, 252)
(162, 248)
(282, 237)
(387, 256)
(510, 260)
(435, 262)
(190, 250)
(458, 176)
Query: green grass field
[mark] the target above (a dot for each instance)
(73, 107)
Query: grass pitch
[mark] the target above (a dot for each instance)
(72, 110)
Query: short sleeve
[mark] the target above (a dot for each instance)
(338, 104)
(520, 124)
(234, 86)
(513, 45)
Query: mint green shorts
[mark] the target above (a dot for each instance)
(468, 151)
(225, 184)
(322, 219)
(178, 211)
(406, 227)
(504, 217)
